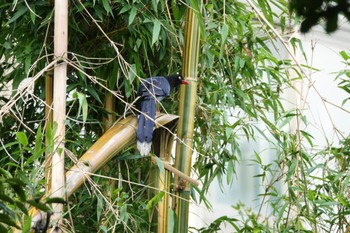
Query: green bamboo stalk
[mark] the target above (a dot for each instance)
(162, 145)
(49, 123)
(160, 212)
(188, 96)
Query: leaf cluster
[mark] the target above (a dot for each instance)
(315, 12)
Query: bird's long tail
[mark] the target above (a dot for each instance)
(145, 126)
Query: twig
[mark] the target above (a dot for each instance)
(170, 168)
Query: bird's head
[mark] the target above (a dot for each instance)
(176, 80)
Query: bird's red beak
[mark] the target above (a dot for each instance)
(184, 82)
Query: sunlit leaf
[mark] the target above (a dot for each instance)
(132, 15)
(156, 30)
(21, 11)
(22, 138)
(160, 165)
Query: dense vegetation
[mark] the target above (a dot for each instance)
(242, 82)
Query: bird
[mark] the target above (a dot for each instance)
(151, 90)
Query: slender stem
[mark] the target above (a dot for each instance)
(48, 115)
(188, 96)
(59, 108)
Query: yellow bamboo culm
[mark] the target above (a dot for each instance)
(188, 97)
(59, 110)
(121, 135)
(162, 145)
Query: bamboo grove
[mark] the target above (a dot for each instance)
(228, 50)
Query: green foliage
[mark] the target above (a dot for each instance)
(240, 82)
(242, 77)
(21, 182)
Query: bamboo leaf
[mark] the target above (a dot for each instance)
(104, 228)
(160, 165)
(132, 15)
(6, 198)
(22, 207)
(49, 136)
(230, 171)
(21, 11)
(156, 31)
(83, 105)
(22, 138)
(291, 169)
(224, 33)
(155, 4)
(93, 93)
(124, 215)
(99, 208)
(17, 185)
(106, 6)
(307, 136)
(344, 55)
(171, 220)
(125, 8)
(5, 173)
(343, 201)
(2, 228)
(27, 223)
(39, 205)
(6, 219)
(38, 141)
(55, 200)
(32, 14)
(155, 200)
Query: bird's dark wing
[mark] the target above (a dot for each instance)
(151, 90)
(154, 87)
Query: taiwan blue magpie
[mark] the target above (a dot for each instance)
(151, 90)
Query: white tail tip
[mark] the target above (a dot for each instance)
(144, 147)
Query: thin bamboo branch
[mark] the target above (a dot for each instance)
(176, 172)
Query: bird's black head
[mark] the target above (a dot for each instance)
(176, 80)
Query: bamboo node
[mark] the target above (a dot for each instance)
(181, 185)
(191, 79)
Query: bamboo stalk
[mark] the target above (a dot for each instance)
(59, 108)
(162, 146)
(188, 97)
(118, 137)
(159, 215)
(49, 121)
(109, 105)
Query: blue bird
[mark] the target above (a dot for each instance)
(151, 90)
